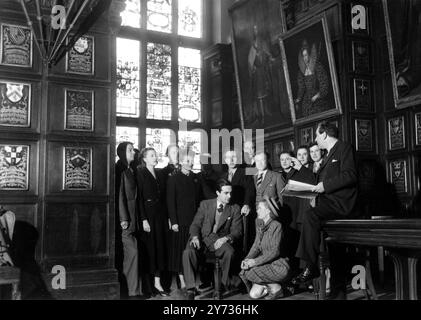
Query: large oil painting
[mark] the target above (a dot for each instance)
(261, 87)
(310, 71)
(403, 30)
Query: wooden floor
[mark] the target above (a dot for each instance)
(383, 294)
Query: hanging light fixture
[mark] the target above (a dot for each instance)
(58, 24)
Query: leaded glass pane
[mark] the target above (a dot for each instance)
(159, 139)
(189, 102)
(131, 15)
(129, 134)
(159, 15)
(190, 18)
(128, 93)
(159, 82)
(192, 141)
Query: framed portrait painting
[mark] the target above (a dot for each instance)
(261, 87)
(310, 73)
(403, 29)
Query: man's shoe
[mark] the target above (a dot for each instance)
(308, 274)
(190, 294)
(205, 285)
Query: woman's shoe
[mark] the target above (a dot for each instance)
(160, 292)
(277, 295)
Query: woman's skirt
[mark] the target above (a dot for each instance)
(274, 272)
(178, 242)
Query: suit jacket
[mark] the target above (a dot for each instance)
(230, 223)
(272, 185)
(128, 208)
(243, 191)
(339, 176)
(184, 194)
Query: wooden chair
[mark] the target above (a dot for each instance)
(11, 276)
(212, 259)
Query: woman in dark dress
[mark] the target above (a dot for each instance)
(184, 193)
(154, 217)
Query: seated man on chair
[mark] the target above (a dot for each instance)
(337, 195)
(217, 228)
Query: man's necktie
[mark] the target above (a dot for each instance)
(259, 180)
(221, 208)
(217, 216)
(230, 175)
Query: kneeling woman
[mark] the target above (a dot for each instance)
(264, 269)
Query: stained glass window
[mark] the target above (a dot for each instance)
(192, 141)
(128, 77)
(190, 18)
(129, 134)
(131, 15)
(159, 82)
(159, 139)
(159, 15)
(189, 85)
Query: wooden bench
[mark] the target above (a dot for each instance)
(11, 276)
(400, 237)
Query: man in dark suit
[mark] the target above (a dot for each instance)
(243, 194)
(266, 181)
(337, 195)
(216, 228)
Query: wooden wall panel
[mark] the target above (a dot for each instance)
(76, 229)
(56, 109)
(55, 169)
(102, 67)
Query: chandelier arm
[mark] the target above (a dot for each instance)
(71, 26)
(97, 11)
(39, 18)
(29, 22)
(59, 33)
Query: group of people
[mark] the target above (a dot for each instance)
(173, 218)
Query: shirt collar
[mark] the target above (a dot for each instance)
(264, 172)
(218, 203)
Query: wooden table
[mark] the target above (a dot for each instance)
(11, 275)
(402, 238)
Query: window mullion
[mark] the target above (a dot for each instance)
(143, 99)
(174, 81)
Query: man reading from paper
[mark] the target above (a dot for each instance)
(337, 195)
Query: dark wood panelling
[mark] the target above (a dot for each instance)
(102, 69)
(100, 181)
(56, 109)
(74, 230)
